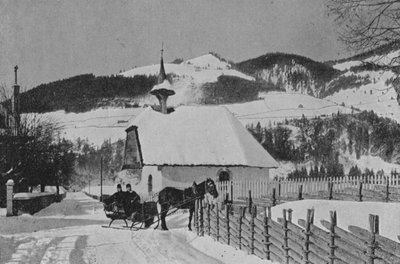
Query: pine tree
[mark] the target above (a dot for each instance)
(322, 171)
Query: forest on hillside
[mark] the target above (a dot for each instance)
(323, 140)
(319, 70)
(83, 92)
(231, 89)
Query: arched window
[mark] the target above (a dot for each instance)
(224, 175)
(150, 184)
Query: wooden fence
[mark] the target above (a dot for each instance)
(238, 190)
(286, 242)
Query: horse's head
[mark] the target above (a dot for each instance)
(211, 188)
(194, 188)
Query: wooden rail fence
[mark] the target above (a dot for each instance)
(386, 187)
(248, 229)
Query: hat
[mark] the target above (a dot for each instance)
(119, 186)
(128, 185)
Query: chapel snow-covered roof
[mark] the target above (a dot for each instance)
(198, 136)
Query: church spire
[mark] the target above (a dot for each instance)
(162, 90)
(162, 76)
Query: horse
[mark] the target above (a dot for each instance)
(184, 199)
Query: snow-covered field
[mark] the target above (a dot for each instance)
(278, 106)
(376, 96)
(71, 232)
(96, 125)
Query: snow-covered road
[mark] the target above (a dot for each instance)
(76, 236)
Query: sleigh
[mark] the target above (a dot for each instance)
(143, 217)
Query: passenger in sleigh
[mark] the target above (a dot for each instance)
(115, 201)
(131, 202)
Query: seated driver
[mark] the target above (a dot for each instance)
(117, 198)
(131, 202)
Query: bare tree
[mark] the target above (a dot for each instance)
(366, 24)
(4, 93)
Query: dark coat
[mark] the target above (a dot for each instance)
(131, 202)
(117, 198)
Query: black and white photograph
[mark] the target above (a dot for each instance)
(201, 131)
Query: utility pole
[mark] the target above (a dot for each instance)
(101, 178)
(89, 183)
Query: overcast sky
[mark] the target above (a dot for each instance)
(51, 39)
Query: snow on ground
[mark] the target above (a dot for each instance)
(278, 106)
(95, 190)
(348, 213)
(367, 161)
(346, 65)
(376, 96)
(96, 125)
(71, 232)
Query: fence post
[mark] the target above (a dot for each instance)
(267, 217)
(307, 233)
(10, 190)
(201, 203)
(330, 189)
(217, 222)
(196, 216)
(285, 236)
(387, 190)
(228, 233)
(250, 202)
(231, 192)
(300, 197)
(208, 219)
(360, 186)
(332, 234)
(273, 196)
(240, 227)
(253, 215)
(374, 229)
(279, 189)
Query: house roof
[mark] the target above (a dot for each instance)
(198, 135)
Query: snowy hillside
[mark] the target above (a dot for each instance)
(278, 106)
(189, 76)
(110, 123)
(290, 72)
(379, 95)
(97, 125)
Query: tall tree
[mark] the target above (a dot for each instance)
(367, 24)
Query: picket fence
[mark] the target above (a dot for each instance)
(239, 189)
(286, 242)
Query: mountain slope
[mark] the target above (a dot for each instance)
(292, 73)
(388, 51)
(189, 76)
(84, 92)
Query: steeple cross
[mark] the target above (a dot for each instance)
(162, 49)
(15, 73)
